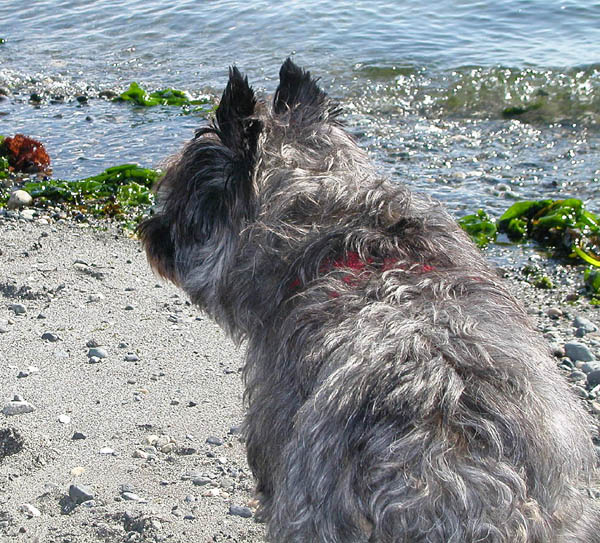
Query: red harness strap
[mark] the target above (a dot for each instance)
(352, 261)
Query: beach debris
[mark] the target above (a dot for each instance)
(25, 154)
(166, 97)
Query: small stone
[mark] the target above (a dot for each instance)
(17, 407)
(94, 360)
(106, 451)
(130, 496)
(92, 343)
(140, 454)
(98, 352)
(212, 493)
(554, 312)
(593, 378)
(41, 316)
(214, 441)
(95, 297)
(19, 199)
(49, 336)
(131, 357)
(175, 401)
(577, 376)
(577, 351)
(80, 494)
(201, 481)
(64, 419)
(78, 435)
(28, 214)
(595, 407)
(589, 367)
(18, 309)
(30, 511)
(128, 308)
(240, 511)
(78, 471)
(585, 325)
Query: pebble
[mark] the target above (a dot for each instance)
(78, 471)
(138, 453)
(80, 494)
(577, 351)
(30, 511)
(17, 406)
(78, 435)
(95, 297)
(554, 313)
(583, 326)
(212, 493)
(106, 450)
(131, 357)
(19, 199)
(593, 378)
(64, 419)
(18, 309)
(211, 440)
(98, 352)
(28, 214)
(94, 360)
(240, 511)
(49, 336)
(589, 367)
(201, 481)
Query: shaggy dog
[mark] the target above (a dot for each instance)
(396, 392)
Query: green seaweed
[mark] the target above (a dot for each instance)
(110, 193)
(592, 280)
(480, 227)
(165, 97)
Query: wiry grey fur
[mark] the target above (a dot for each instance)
(407, 399)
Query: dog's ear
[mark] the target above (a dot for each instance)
(155, 236)
(238, 129)
(299, 95)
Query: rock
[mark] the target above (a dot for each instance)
(28, 214)
(240, 511)
(78, 435)
(49, 336)
(584, 326)
(131, 357)
(29, 510)
(17, 407)
(554, 312)
(18, 309)
(80, 494)
(589, 367)
(78, 471)
(593, 378)
(106, 451)
(577, 351)
(94, 360)
(11, 442)
(64, 419)
(98, 352)
(19, 199)
(201, 481)
(214, 441)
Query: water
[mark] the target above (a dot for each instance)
(424, 85)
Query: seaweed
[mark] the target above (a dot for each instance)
(165, 97)
(480, 227)
(25, 154)
(110, 193)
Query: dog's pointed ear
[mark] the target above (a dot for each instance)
(237, 129)
(299, 95)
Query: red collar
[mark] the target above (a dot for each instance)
(353, 262)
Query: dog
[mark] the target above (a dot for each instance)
(395, 390)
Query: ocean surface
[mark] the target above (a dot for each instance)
(478, 103)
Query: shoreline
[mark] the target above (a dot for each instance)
(136, 396)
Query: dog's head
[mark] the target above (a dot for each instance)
(209, 192)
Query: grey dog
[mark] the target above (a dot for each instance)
(396, 392)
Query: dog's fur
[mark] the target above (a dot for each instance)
(396, 391)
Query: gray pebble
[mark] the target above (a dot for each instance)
(589, 367)
(17, 407)
(585, 325)
(98, 352)
(19, 199)
(577, 376)
(49, 336)
(92, 343)
(131, 357)
(577, 351)
(80, 494)
(18, 309)
(79, 435)
(201, 481)
(593, 378)
(93, 360)
(214, 441)
(240, 511)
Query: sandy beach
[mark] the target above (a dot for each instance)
(128, 399)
